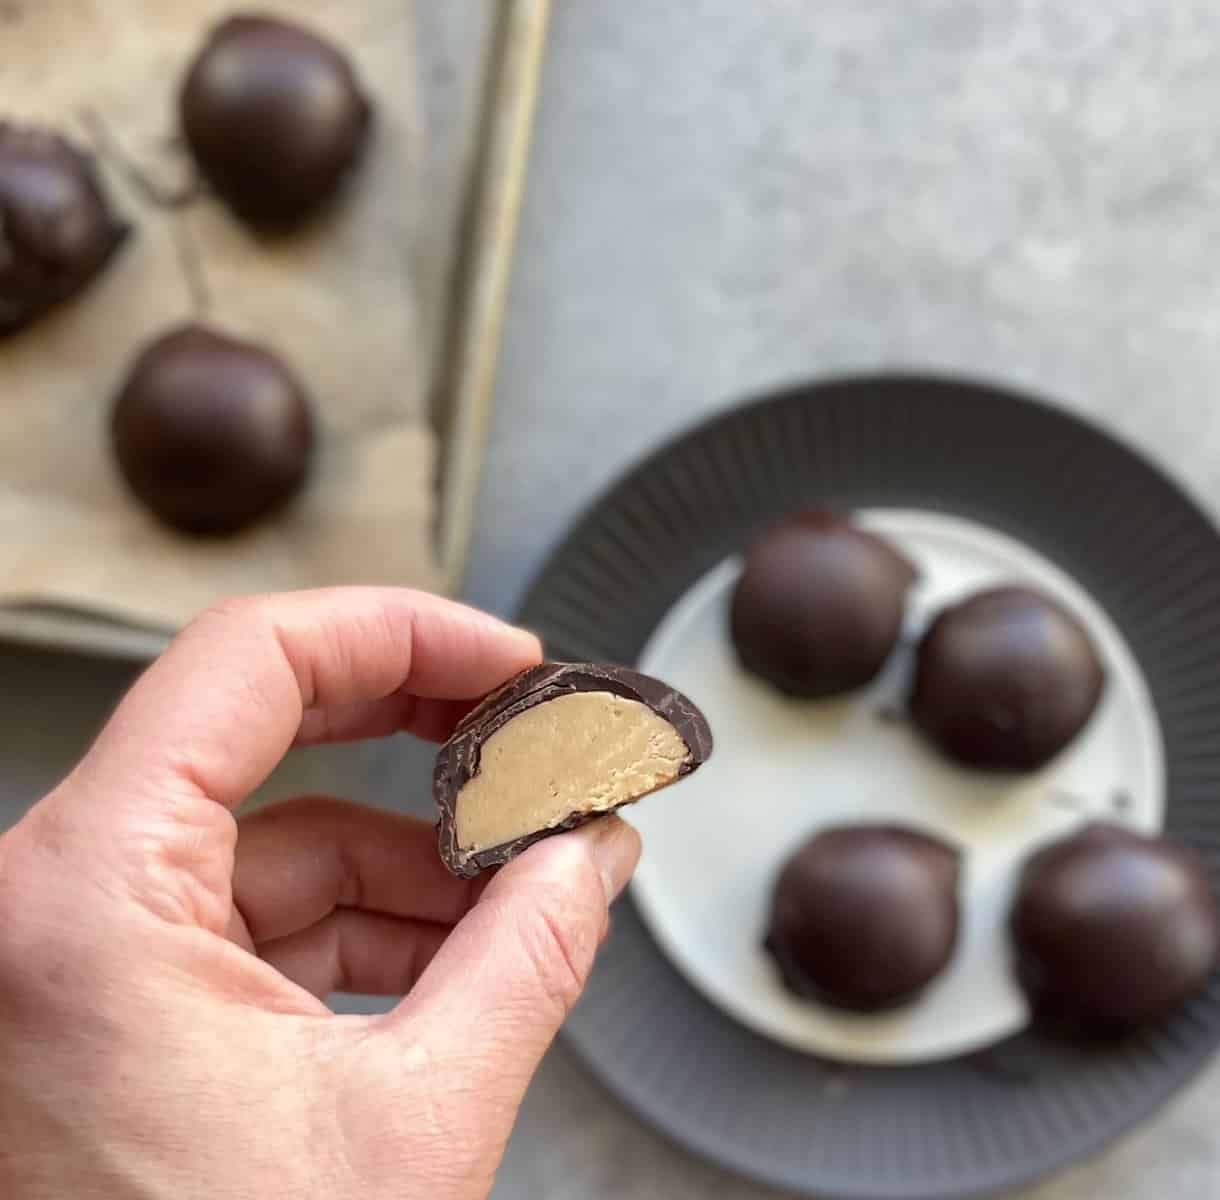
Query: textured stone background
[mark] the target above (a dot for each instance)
(726, 196)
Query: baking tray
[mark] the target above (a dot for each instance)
(479, 71)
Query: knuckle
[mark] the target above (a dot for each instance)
(237, 607)
(558, 949)
(238, 604)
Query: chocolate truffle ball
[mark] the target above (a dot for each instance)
(1112, 929)
(864, 916)
(819, 605)
(211, 432)
(1005, 680)
(275, 118)
(57, 230)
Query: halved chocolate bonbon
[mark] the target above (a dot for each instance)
(556, 746)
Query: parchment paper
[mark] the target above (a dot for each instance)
(336, 301)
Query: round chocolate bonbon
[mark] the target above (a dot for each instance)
(275, 117)
(863, 917)
(57, 230)
(1112, 929)
(1005, 680)
(819, 605)
(211, 432)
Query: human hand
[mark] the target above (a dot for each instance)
(162, 964)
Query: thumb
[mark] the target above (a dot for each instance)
(498, 990)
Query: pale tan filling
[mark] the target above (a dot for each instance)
(584, 752)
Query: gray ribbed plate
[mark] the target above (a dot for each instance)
(969, 1126)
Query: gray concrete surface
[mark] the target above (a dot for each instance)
(726, 196)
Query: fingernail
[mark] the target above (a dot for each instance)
(615, 850)
(527, 637)
(530, 636)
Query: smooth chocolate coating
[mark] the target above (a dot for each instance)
(275, 118)
(865, 916)
(1005, 680)
(458, 759)
(819, 605)
(211, 432)
(57, 230)
(1112, 929)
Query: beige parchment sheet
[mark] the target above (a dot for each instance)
(337, 301)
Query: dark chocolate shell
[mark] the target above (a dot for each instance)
(210, 432)
(1005, 680)
(275, 118)
(57, 229)
(819, 605)
(863, 917)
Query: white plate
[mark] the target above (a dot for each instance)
(782, 769)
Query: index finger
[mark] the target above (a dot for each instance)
(223, 704)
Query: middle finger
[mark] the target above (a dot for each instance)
(299, 860)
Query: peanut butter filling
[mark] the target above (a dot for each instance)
(582, 753)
